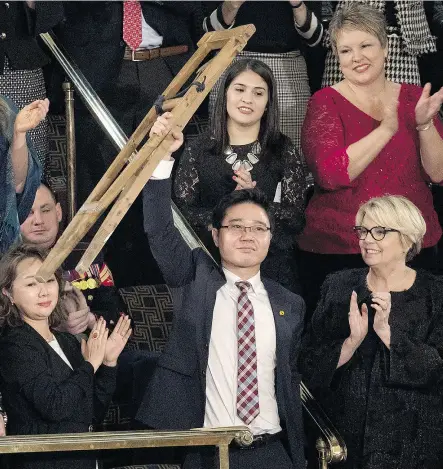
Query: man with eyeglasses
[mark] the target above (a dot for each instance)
(231, 356)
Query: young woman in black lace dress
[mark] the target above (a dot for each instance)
(246, 149)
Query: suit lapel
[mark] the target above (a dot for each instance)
(281, 309)
(68, 349)
(204, 321)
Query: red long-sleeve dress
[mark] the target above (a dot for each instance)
(332, 124)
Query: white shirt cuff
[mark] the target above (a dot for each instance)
(163, 170)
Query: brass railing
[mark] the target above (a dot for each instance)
(331, 446)
(221, 438)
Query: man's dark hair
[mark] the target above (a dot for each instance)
(44, 182)
(244, 196)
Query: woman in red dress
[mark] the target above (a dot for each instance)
(364, 137)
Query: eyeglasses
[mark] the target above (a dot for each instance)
(377, 232)
(257, 230)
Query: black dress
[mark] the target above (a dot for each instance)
(43, 395)
(386, 403)
(203, 178)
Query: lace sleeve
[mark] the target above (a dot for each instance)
(289, 214)
(187, 190)
(323, 142)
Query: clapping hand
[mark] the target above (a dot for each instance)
(358, 322)
(161, 127)
(31, 115)
(243, 179)
(381, 302)
(428, 106)
(93, 350)
(117, 340)
(390, 111)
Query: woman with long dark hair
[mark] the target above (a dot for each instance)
(49, 382)
(244, 148)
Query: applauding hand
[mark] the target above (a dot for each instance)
(31, 115)
(428, 106)
(390, 111)
(93, 350)
(358, 322)
(381, 302)
(117, 340)
(243, 179)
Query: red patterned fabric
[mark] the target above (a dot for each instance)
(132, 23)
(247, 383)
(332, 124)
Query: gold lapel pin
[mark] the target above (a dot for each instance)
(282, 313)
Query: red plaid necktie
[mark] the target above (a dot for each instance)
(247, 385)
(132, 23)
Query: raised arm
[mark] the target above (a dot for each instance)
(173, 255)
(28, 118)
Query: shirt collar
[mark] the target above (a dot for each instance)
(231, 279)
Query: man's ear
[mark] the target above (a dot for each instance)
(214, 232)
(58, 210)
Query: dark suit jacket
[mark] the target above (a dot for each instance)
(176, 396)
(21, 25)
(42, 395)
(92, 33)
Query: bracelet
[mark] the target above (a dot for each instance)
(423, 127)
(294, 7)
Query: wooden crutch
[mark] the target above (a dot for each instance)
(132, 168)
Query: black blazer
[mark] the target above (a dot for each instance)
(21, 26)
(92, 34)
(42, 395)
(176, 396)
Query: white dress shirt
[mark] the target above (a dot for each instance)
(221, 374)
(59, 351)
(150, 37)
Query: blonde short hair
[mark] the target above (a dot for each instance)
(357, 16)
(398, 213)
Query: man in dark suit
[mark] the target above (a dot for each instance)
(128, 76)
(231, 356)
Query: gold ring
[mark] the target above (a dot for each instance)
(95, 335)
